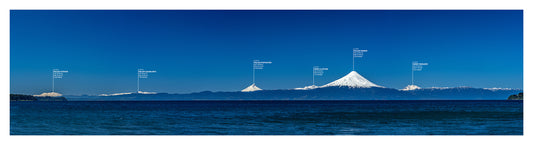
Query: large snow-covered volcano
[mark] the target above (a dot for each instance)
(352, 80)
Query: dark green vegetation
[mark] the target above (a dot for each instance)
(519, 96)
(51, 99)
(20, 97)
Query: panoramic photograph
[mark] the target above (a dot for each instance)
(266, 72)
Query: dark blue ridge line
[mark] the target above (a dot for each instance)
(329, 93)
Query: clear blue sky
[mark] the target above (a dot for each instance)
(213, 50)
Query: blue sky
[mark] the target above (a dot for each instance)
(213, 50)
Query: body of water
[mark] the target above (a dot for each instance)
(267, 118)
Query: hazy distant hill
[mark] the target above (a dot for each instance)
(20, 97)
(327, 93)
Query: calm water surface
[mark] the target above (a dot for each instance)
(267, 118)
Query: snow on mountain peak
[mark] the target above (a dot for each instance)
(50, 94)
(410, 87)
(251, 88)
(127, 93)
(497, 89)
(307, 88)
(352, 80)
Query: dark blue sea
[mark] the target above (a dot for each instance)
(267, 118)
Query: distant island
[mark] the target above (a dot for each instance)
(519, 96)
(21, 97)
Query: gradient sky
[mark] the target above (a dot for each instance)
(213, 50)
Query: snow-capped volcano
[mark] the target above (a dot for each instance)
(251, 88)
(50, 94)
(352, 80)
(410, 87)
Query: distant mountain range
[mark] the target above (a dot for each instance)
(353, 86)
(325, 93)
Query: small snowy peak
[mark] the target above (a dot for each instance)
(498, 89)
(444, 88)
(410, 87)
(251, 88)
(439, 88)
(141, 92)
(127, 93)
(307, 88)
(50, 94)
(467, 87)
(352, 80)
(116, 94)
